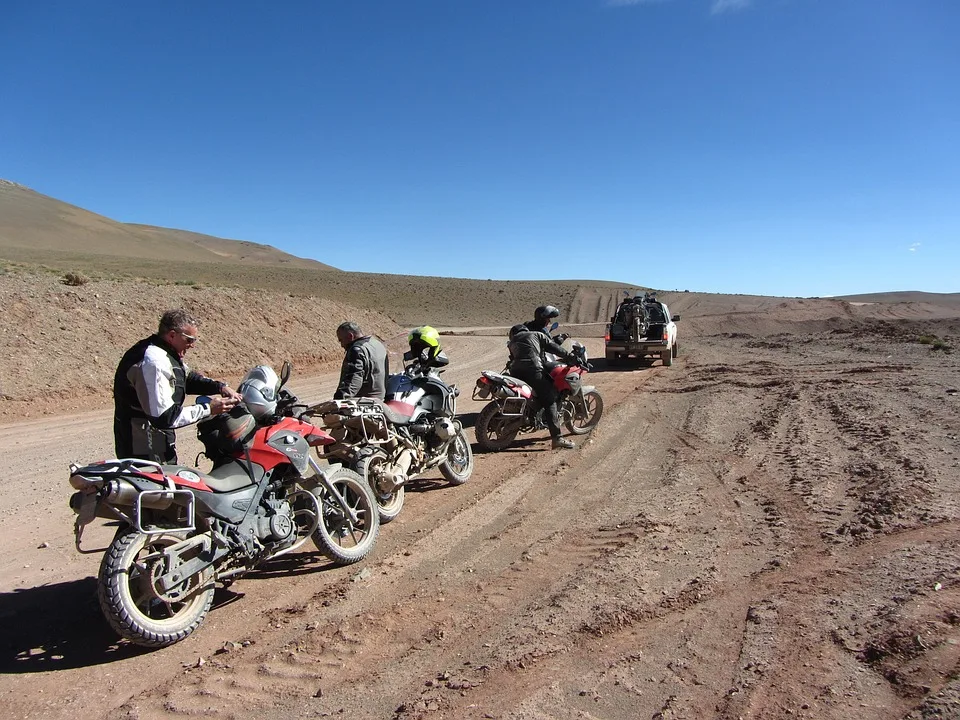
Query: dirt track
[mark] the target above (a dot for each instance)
(768, 529)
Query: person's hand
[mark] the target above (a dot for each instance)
(227, 392)
(222, 404)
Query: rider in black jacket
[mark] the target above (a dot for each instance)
(365, 367)
(542, 318)
(150, 388)
(527, 348)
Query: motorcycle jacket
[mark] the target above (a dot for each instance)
(527, 349)
(149, 387)
(537, 326)
(364, 370)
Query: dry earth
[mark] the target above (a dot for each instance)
(767, 529)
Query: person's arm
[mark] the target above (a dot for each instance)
(351, 375)
(153, 380)
(551, 347)
(198, 384)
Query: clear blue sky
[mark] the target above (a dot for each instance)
(777, 147)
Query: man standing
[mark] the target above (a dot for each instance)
(365, 365)
(527, 348)
(150, 385)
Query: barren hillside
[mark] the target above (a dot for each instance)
(766, 529)
(37, 228)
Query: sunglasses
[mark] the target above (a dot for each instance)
(188, 338)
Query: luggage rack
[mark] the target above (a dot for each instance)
(111, 470)
(514, 406)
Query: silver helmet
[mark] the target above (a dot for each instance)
(259, 391)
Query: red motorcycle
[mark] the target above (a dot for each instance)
(512, 411)
(182, 529)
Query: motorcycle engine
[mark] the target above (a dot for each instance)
(445, 429)
(279, 525)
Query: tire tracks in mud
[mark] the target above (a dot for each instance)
(803, 568)
(416, 628)
(686, 561)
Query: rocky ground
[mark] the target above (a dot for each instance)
(766, 529)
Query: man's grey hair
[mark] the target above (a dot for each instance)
(176, 320)
(349, 327)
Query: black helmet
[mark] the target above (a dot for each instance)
(545, 313)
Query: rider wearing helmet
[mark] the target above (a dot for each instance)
(425, 348)
(543, 317)
(527, 348)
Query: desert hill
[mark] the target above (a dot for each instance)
(769, 527)
(36, 228)
(261, 305)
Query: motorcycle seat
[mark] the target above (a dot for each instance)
(227, 477)
(393, 412)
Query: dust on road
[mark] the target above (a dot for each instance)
(767, 529)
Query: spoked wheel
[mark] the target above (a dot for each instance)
(135, 601)
(494, 431)
(580, 421)
(458, 467)
(338, 536)
(389, 504)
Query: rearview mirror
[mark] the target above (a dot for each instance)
(285, 370)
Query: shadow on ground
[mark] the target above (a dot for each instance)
(60, 626)
(57, 627)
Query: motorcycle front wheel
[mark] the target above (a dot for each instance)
(135, 604)
(341, 539)
(389, 505)
(458, 467)
(494, 431)
(580, 421)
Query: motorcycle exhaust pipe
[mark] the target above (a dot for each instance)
(122, 492)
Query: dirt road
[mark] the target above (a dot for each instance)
(767, 529)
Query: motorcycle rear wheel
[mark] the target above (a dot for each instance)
(131, 600)
(389, 505)
(458, 467)
(337, 536)
(494, 431)
(583, 421)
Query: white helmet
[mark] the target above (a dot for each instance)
(259, 391)
(264, 373)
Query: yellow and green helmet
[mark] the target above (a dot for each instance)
(424, 337)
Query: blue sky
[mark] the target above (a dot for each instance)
(776, 147)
